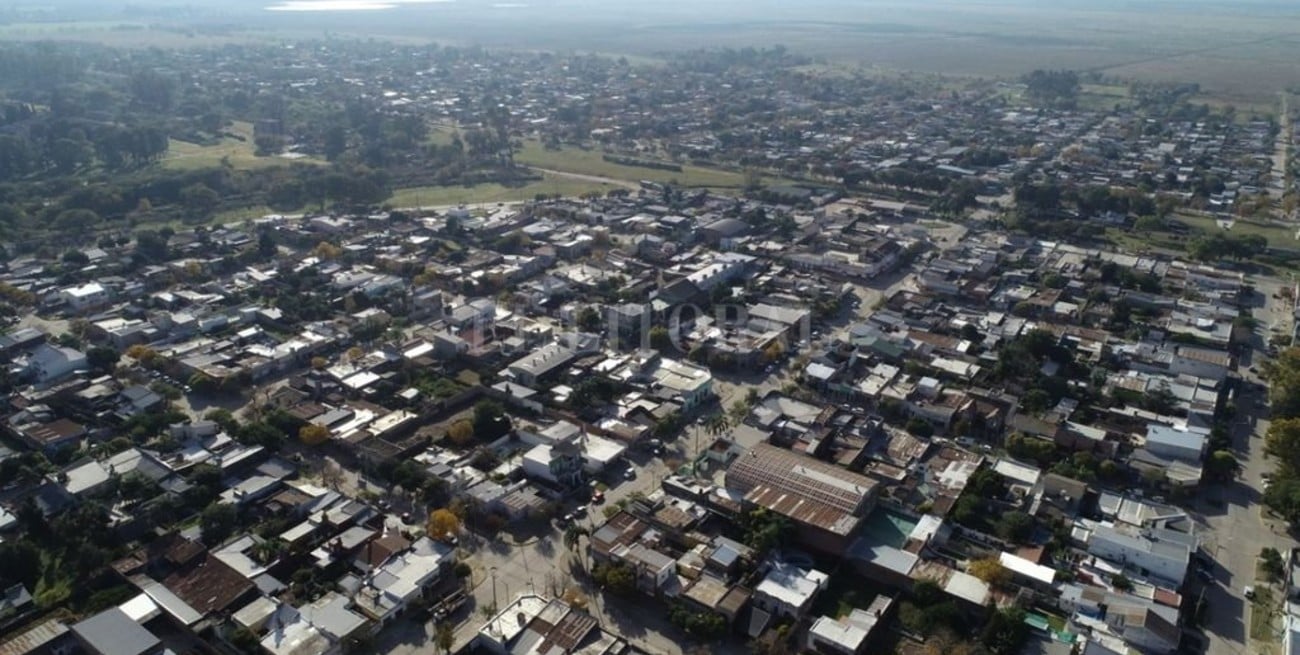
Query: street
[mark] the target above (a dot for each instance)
(1233, 516)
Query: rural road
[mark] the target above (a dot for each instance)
(587, 178)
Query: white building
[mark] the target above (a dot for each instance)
(86, 296)
(50, 363)
(789, 590)
(847, 635)
(1158, 553)
(390, 587)
(1187, 443)
(566, 454)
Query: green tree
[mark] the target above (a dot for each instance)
(217, 522)
(1283, 496)
(200, 199)
(102, 358)
(618, 578)
(1282, 441)
(1221, 465)
(1006, 632)
(588, 319)
(1283, 374)
(1015, 527)
(660, 339)
(490, 421)
(445, 637)
(765, 529)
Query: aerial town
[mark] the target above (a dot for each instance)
(908, 368)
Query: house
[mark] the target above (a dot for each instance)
(112, 632)
(1187, 443)
(683, 381)
(318, 628)
(388, 589)
(536, 625)
(84, 297)
(849, 634)
(552, 358)
(187, 581)
(788, 591)
(50, 637)
(1156, 552)
(50, 363)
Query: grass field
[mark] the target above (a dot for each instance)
(1261, 616)
(1103, 97)
(1278, 237)
(589, 162)
(441, 135)
(182, 155)
(437, 196)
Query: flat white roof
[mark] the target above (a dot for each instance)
(1022, 566)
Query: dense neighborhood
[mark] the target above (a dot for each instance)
(909, 386)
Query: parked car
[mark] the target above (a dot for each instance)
(629, 474)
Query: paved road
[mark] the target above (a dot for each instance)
(1237, 528)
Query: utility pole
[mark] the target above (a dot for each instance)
(495, 607)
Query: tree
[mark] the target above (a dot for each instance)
(461, 433)
(1282, 441)
(442, 523)
(200, 199)
(991, 571)
(102, 358)
(1121, 582)
(618, 578)
(224, 418)
(313, 434)
(144, 354)
(660, 338)
(262, 434)
(446, 637)
(1015, 527)
(1271, 562)
(765, 529)
(76, 220)
(490, 421)
(920, 427)
(216, 522)
(1221, 465)
(1005, 632)
(326, 250)
(1283, 374)
(588, 319)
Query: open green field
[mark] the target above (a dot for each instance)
(1278, 237)
(237, 149)
(590, 162)
(438, 196)
(1103, 97)
(441, 135)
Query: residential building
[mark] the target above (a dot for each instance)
(788, 591)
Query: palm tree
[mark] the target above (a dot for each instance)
(573, 535)
(445, 637)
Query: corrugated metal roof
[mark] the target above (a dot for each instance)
(34, 638)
